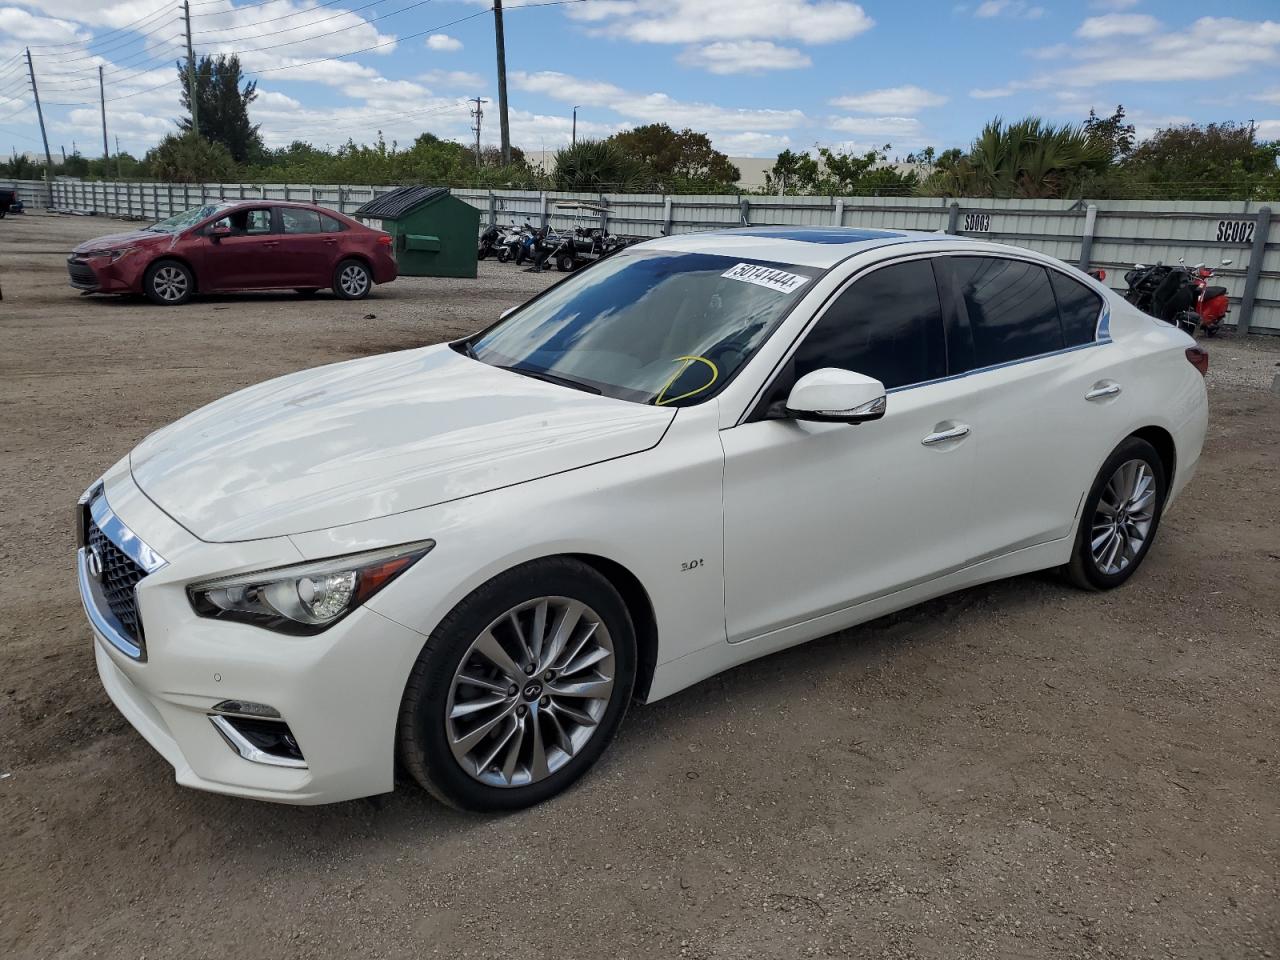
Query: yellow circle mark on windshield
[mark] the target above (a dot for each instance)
(662, 397)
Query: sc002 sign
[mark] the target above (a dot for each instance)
(1236, 231)
(977, 222)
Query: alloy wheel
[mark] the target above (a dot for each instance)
(170, 284)
(530, 692)
(354, 280)
(1123, 517)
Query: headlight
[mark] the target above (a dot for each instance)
(122, 252)
(307, 597)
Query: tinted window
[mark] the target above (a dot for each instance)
(888, 325)
(1011, 309)
(295, 220)
(1079, 308)
(330, 225)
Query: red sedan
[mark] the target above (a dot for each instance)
(252, 245)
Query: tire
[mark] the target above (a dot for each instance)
(169, 283)
(1114, 563)
(352, 280)
(499, 770)
(565, 263)
(504, 255)
(305, 291)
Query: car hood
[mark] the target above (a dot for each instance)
(373, 437)
(117, 240)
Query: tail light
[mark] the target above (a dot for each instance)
(1199, 358)
(1100, 275)
(385, 239)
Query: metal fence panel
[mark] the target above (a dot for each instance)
(1125, 232)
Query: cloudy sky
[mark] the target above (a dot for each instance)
(758, 75)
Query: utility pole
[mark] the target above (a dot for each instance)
(191, 69)
(106, 149)
(478, 113)
(48, 157)
(575, 124)
(119, 176)
(502, 82)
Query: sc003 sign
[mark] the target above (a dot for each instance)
(977, 222)
(1236, 231)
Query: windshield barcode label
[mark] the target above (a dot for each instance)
(778, 280)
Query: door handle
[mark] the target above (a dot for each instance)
(1102, 392)
(942, 436)
(271, 243)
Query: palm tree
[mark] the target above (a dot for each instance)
(591, 165)
(1027, 159)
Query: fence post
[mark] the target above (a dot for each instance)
(839, 211)
(1086, 238)
(744, 211)
(493, 210)
(543, 202)
(1254, 272)
(953, 217)
(342, 199)
(666, 216)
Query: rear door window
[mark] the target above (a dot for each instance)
(297, 220)
(1079, 308)
(887, 325)
(1012, 311)
(330, 225)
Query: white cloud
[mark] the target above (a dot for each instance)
(654, 107)
(1113, 4)
(443, 43)
(18, 28)
(1271, 96)
(1267, 129)
(700, 21)
(893, 100)
(1116, 25)
(1008, 8)
(752, 143)
(995, 93)
(596, 10)
(455, 80)
(876, 126)
(744, 56)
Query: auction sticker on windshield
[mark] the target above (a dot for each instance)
(778, 280)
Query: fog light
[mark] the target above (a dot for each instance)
(248, 708)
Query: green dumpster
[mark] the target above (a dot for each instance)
(434, 233)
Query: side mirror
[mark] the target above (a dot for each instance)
(836, 396)
(217, 233)
(1227, 263)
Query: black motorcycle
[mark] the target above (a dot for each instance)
(490, 243)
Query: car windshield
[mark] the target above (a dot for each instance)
(650, 326)
(187, 218)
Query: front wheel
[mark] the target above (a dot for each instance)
(1120, 517)
(352, 280)
(520, 688)
(168, 283)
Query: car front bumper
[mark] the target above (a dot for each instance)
(338, 691)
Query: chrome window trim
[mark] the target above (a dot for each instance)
(237, 742)
(1102, 331)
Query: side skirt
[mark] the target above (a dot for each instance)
(675, 675)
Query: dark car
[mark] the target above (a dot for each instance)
(252, 245)
(9, 201)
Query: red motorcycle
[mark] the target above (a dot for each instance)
(1179, 295)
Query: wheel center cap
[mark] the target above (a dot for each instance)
(532, 691)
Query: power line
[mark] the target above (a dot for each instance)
(257, 23)
(330, 33)
(98, 39)
(119, 45)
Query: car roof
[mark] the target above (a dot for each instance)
(806, 246)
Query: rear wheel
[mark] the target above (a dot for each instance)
(520, 688)
(168, 283)
(565, 263)
(1120, 517)
(352, 280)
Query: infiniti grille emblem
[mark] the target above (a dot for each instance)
(94, 562)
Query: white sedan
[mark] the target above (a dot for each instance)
(471, 557)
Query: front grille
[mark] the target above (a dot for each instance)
(82, 274)
(120, 574)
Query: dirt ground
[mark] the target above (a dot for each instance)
(1020, 770)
